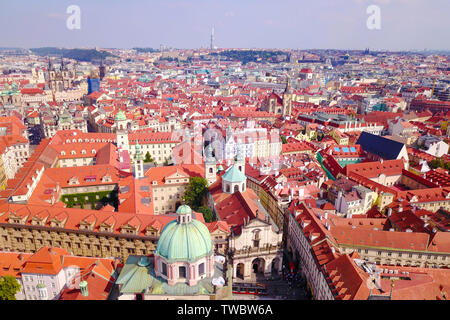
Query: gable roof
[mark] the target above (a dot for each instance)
(385, 148)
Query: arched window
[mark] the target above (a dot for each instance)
(210, 170)
(256, 238)
(182, 272)
(201, 269)
(236, 188)
(227, 188)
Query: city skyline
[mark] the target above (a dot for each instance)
(187, 24)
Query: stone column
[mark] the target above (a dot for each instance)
(247, 270)
(170, 280)
(280, 265)
(211, 266)
(268, 268)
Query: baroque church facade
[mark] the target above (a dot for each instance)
(280, 105)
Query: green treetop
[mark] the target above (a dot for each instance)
(8, 288)
(196, 190)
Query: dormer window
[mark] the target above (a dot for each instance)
(56, 223)
(74, 180)
(83, 151)
(73, 152)
(63, 153)
(93, 151)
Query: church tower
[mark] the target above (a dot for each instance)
(240, 157)
(102, 70)
(122, 131)
(210, 165)
(287, 99)
(138, 162)
(234, 180)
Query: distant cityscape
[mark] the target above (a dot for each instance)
(224, 174)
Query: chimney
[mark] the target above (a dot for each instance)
(400, 208)
(389, 212)
(21, 257)
(84, 288)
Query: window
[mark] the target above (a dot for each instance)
(164, 268)
(182, 272)
(201, 269)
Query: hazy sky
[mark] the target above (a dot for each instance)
(304, 24)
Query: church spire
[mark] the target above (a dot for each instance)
(288, 89)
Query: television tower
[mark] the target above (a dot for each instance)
(212, 39)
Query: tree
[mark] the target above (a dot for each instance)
(447, 166)
(195, 191)
(148, 157)
(8, 288)
(436, 163)
(320, 136)
(283, 139)
(207, 213)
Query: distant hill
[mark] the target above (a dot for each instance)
(87, 55)
(246, 56)
(144, 50)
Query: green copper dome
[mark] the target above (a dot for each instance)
(120, 116)
(188, 241)
(234, 175)
(184, 209)
(137, 147)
